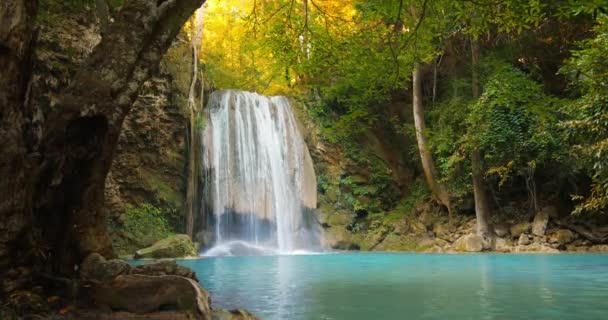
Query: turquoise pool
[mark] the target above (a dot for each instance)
(410, 286)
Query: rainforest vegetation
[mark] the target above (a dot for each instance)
(508, 97)
(433, 125)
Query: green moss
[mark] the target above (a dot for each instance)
(138, 227)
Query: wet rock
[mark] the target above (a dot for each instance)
(539, 225)
(524, 239)
(221, 314)
(562, 237)
(176, 246)
(165, 267)
(518, 229)
(145, 294)
(501, 230)
(96, 267)
(469, 243)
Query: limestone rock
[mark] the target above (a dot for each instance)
(536, 247)
(165, 267)
(518, 229)
(599, 248)
(144, 294)
(176, 246)
(443, 231)
(539, 225)
(562, 237)
(502, 245)
(524, 240)
(96, 267)
(469, 243)
(501, 230)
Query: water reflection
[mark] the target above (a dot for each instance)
(400, 286)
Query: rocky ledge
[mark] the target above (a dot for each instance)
(430, 230)
(113, 289)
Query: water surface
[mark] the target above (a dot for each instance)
(409, 286)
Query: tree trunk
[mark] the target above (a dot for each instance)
(64, 175)
(428, 165)
(16, 33)
(482, 207)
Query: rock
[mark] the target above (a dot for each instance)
(144, 294)
(164, 267)
(96, 267)
(524, 240)
(502, 245)
(221, 314)
(26, 302)
(176, 246)
(443, 231)
(441, 243)
(599, 248)
(562, 237)
(418, 227)
(427, 216)
(204, 237)
(518, 229)
(536, 247)
(574, 248)
(501, 230)
(424, 244)
(469, 243)
(539, 225)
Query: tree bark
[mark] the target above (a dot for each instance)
(64, 175)
(16, 34)
(482, 206)
(428, 165)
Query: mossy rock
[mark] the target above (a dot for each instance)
(176, 246)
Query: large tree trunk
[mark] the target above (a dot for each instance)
(428, 165)
(63, 176)
(482, 202)
(16, 31)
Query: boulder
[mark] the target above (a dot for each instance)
(97, 268)
(469, 243)
(539, 225)
(145, 294)
(501, 230)
(176, 246)
(502, 245)
(518, 229)
(562, 237)
(164, 267)
(524, 240)
(443, 230)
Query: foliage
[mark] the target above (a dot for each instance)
(512, 123)
(587, 127)
(143, 225)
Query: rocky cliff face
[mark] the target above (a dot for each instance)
(149, 162)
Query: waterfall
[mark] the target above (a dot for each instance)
(259, 179)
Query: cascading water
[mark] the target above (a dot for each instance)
(258, 177)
